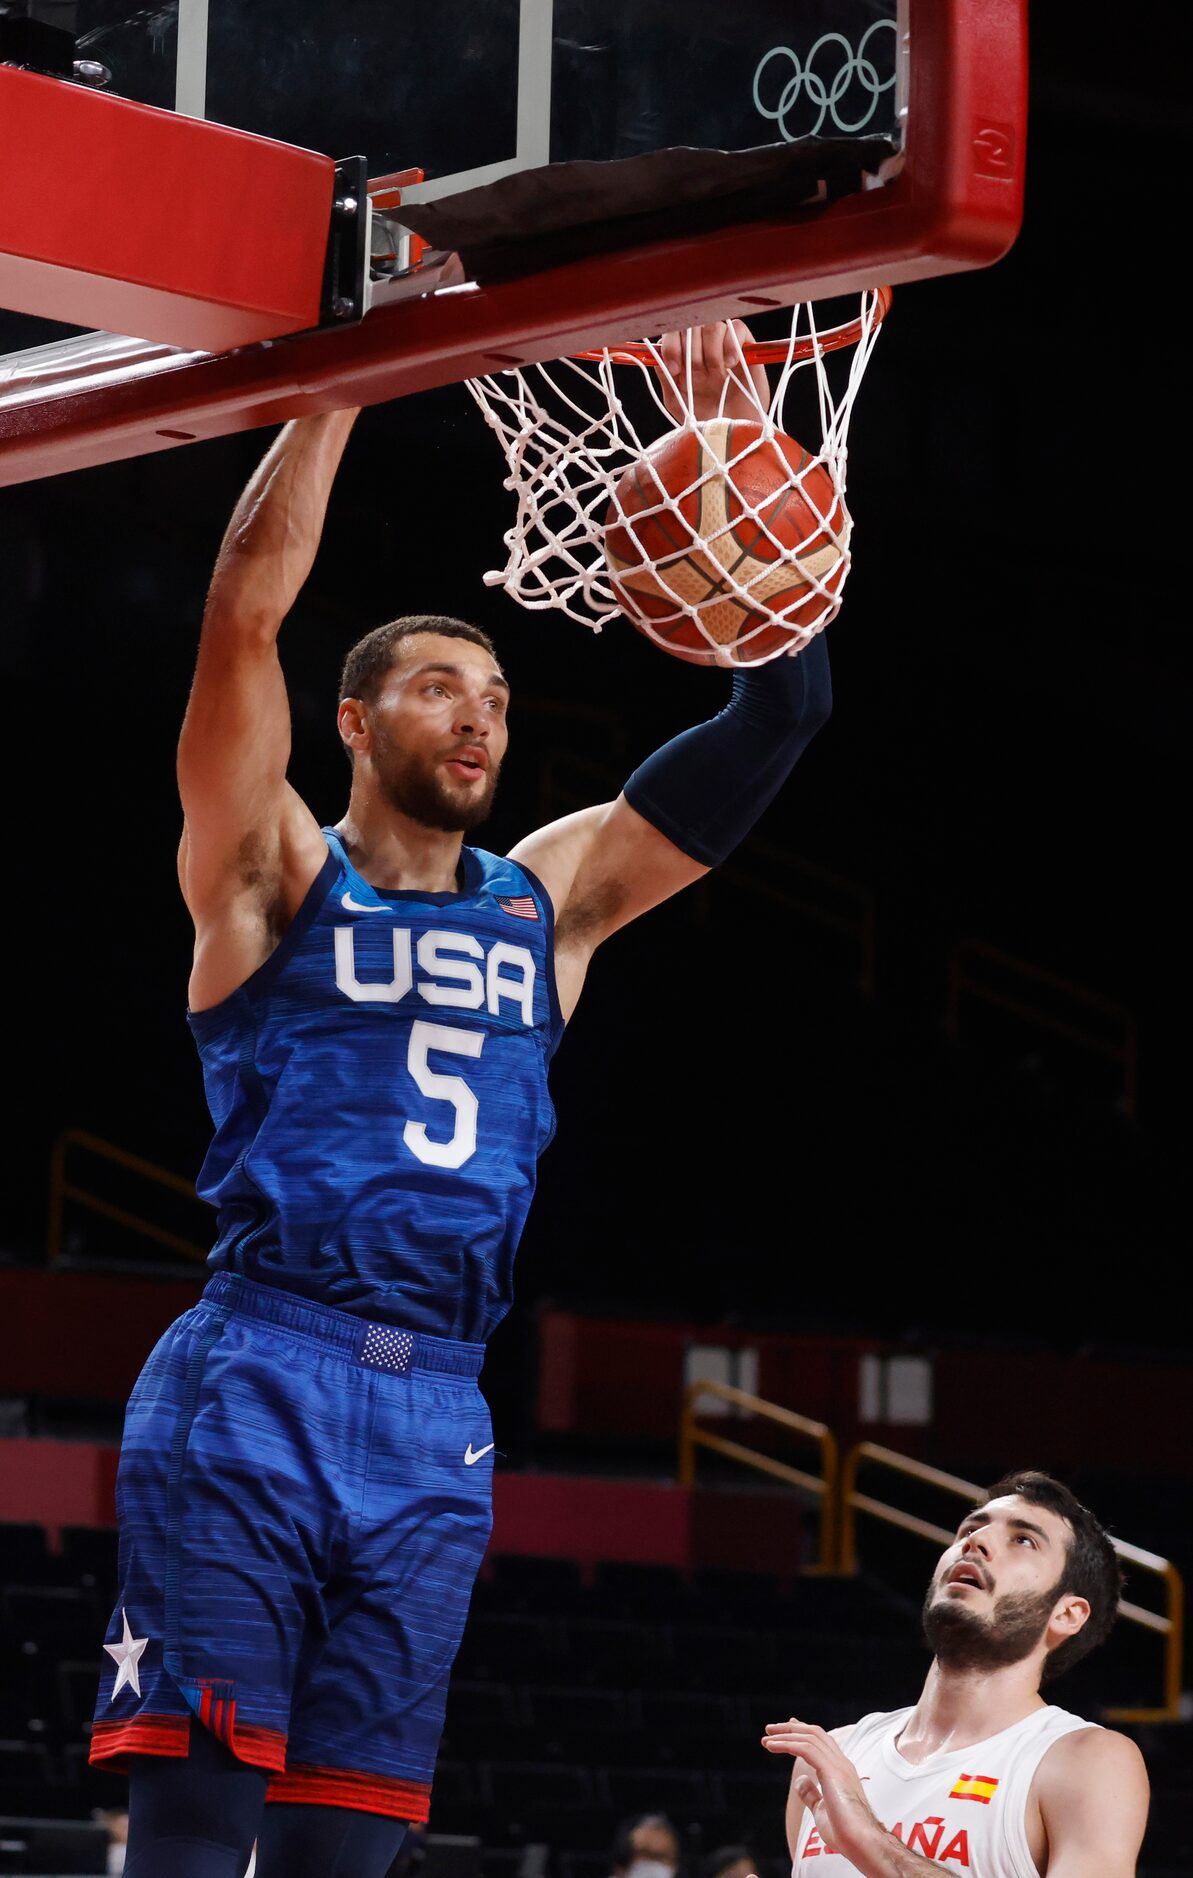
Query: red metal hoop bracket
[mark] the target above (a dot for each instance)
(771, 351)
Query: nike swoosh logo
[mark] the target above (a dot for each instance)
(472, 1456)
(354, 906)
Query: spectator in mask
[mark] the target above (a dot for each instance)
(646, 1846)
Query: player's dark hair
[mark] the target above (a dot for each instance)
(1091, 1569)
(371, 657)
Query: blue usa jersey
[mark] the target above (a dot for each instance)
(379, 1094)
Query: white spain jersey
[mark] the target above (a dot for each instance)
(964, 1808)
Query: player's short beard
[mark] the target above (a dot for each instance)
(411, 786)
(963, 1639)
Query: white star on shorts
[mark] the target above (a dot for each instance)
(126, 1655)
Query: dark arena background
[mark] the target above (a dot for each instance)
(885, 1124)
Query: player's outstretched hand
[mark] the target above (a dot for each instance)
(835, 1798)
(718, 370)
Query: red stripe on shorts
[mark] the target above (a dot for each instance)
(171, 1735)
(260, 1747)
(365, 1793)
(144, 1734)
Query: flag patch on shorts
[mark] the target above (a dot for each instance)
(974, 1787)
(521, 905)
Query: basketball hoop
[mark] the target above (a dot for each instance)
(571, 432)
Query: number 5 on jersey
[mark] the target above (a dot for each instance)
(424, 1038)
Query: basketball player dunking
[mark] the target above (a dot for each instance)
(983, 1776)
(304, 1489)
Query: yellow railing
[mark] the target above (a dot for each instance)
(1169, 1623)
(823, 1485)
(63, 1189)
(852, 1501)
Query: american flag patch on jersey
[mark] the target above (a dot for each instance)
(521, 905)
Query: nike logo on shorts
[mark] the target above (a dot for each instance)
(473, 1455)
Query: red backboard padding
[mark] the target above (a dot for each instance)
(118, 216)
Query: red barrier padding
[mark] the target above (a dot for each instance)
(128, 219)
(72, 1483)
(84, 1333)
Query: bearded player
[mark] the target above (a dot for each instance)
(305, 1479)
(982, 1775)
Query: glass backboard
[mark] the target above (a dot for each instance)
(469, 92)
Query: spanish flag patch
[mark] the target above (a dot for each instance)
(974, 1787)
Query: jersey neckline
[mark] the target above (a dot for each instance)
(909, 1770)
(471, 866)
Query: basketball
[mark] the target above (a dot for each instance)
(715, 532)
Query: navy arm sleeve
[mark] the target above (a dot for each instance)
(706, 788)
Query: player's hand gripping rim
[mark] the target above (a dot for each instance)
(718, 367)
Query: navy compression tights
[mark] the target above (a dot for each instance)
(198, 1818)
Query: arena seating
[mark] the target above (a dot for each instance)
(572, 1704)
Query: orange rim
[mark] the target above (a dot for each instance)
(769, 351)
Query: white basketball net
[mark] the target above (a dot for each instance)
(568, 438)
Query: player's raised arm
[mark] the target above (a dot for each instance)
(689, 805)
(248, 840)
(682, 811)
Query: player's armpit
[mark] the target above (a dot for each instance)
(270, 862)
(603, 867)
(1092, 1791)
(251, 846)
(240, 915)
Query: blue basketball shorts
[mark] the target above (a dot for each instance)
(304, 1500)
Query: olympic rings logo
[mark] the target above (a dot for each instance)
(854, 67)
